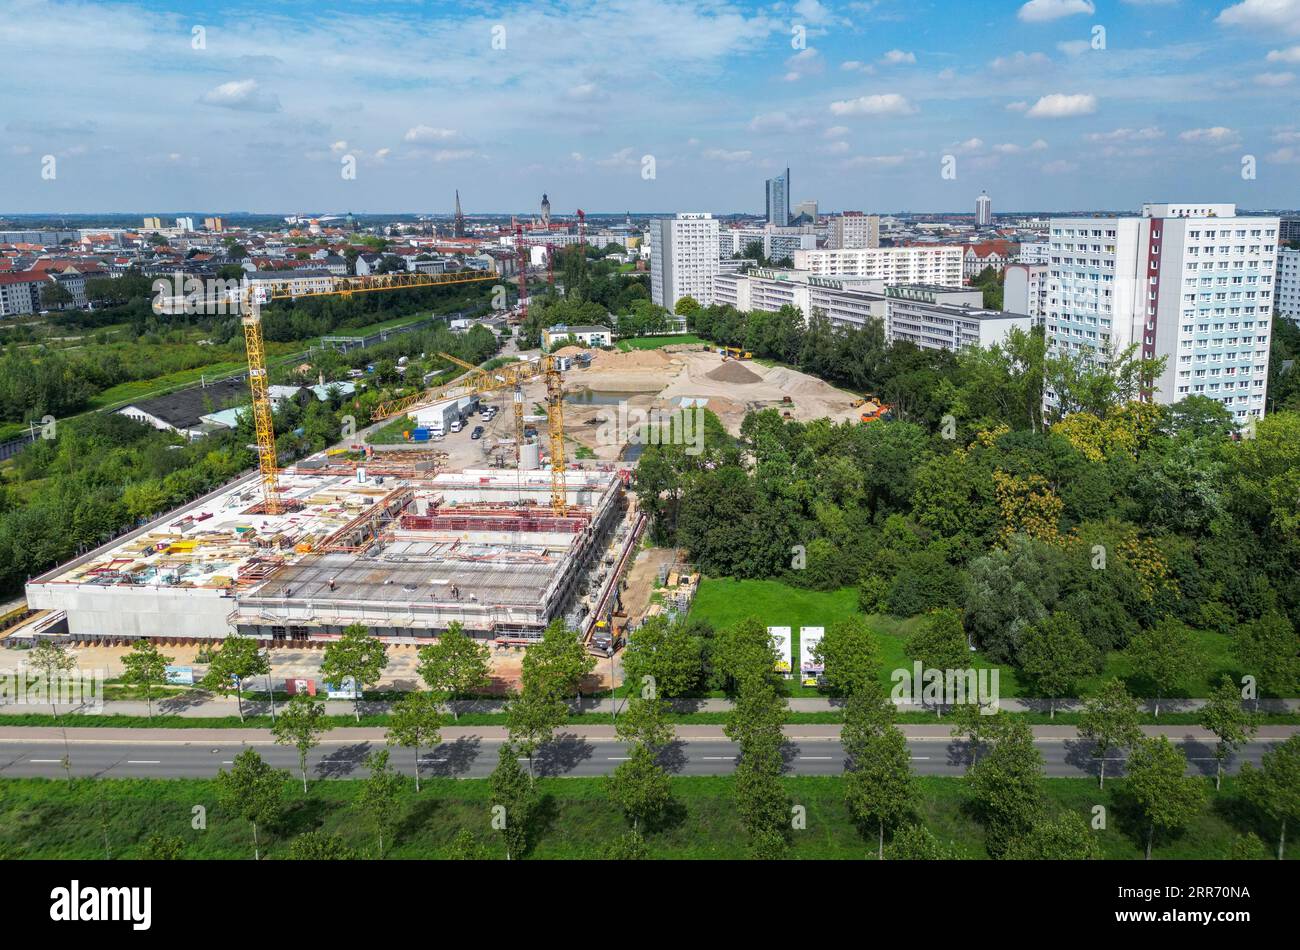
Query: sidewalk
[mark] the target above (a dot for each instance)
(201, 705)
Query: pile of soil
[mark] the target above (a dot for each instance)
(733, 372)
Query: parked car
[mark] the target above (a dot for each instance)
(477, 433)
(457, 425)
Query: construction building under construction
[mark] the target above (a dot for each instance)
(403, 550)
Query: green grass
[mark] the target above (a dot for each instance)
(723, 602)
(49, 818)
(655, 342)
(392, 432)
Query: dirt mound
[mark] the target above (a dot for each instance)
(570, 351)
(733, 372)
(633, 360)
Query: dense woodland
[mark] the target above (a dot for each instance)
(1119, 517)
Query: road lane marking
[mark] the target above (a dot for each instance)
(143, 762)
(921, 758)
(817, 758)
(47, 761)
(617, 758)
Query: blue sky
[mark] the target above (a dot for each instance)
(1050, 104)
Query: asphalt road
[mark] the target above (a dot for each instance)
(472, 753)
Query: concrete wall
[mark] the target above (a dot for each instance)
(136, 611)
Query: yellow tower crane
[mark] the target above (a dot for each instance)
(510, 377)
(254, 294)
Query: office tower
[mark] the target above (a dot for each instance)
(983, 211)
(778, 200)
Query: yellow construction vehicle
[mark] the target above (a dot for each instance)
(736, 353)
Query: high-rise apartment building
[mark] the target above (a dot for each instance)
(983, 211)
(853, 229)
(778, 200)
(1193, 283)
(805, 212)
(185, 224)
(683, 258)
(1024, 290)
(1288, 283)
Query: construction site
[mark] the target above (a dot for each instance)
(405, 554)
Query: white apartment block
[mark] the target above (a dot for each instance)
(21, 293)
(1191, 283)
(1024, 290)
(683, 258)
(853, 229)
(939, 264)
(938, 318)
(1288, 283)
(1035, 253)
(929, 316)
(778, 243)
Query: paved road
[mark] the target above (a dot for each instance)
(471, 752)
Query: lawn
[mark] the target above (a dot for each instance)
(723, 602)
(48, 818)
(655, 342)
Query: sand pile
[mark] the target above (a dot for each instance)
(733, 372)
(633, 360)
(570, 351)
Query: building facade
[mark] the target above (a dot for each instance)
(683, 258)
(778, 199)
(852, 230)
(1192, 283)
(1024, 290)
(936, 318)
(983, 211)
(21, 293)
(1288, 283)
(938, 264)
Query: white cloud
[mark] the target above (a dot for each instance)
(1277, 15)
(946, 74)
(807, 62)
(1074, 47)
(897, 57)
(1042, 11)
(1216, 135)
(1060, 167)
(779, 122)
(1147, 134)
(889, 103)
(243, 95)
(1061, 106)
(970, 145)
(340, 146)
(836, 131)
(857, 66)
(1017, 106)
(1289, 55)
(725, 155)
(867, 161)
(1020, 62)
(1284, 156)
(454, 154)
(583, 91)
(620, 158)
(1274, 79)
(836, 148)
(427, 133)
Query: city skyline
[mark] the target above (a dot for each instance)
(1052, 104)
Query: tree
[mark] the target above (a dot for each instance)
(466, 847)
(317, 845)
(512, 801)
(532, 716)
(763, 807)
(558, 663)
(976, 727)
(144, 666)
(253, 790)
(627, 847)
(1274, 788)
(640, 787)
(916, 843)
(1247, 847)
(300, 724)
(1166, 655)
(239, 659)
(1063, 838)
(879, 787)
(1269, 651)
(416, 723)
(848, 652)
(645, 723)
(1231, 724)
(1007, 785)
(457, 665)
(1109, 721)
(50, 659)
(380, 796)
(161, 847)
(666, 652)
(1055, 654)
(1167, 798)
(355, 655)
(940, 644)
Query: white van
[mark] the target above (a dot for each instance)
(457, 426)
